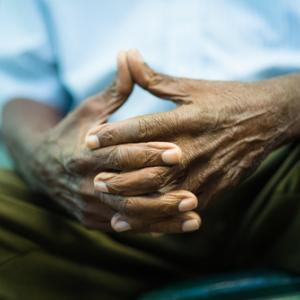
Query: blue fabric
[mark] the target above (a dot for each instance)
(60, 52)
(241, 285)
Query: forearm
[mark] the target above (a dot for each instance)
(285, 94)
(25, 122)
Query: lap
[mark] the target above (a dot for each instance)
(43, 250)
(44, 253)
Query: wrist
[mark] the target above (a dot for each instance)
(26, 126)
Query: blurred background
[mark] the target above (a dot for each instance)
(61, 52)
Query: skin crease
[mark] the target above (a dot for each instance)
(224, 129)
(50, 153)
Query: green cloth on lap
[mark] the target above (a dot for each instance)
(45, 254)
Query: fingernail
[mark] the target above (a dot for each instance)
(187, 204)
(101, 186)
(92, 141)
(121, 226)
(190, 225)
(121, 57)
(115, 219)
(171, 156)
(104, 176)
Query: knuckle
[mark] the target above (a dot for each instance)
(113, 90)
(149, 156)
(124, 157)
(168, 123)
(124, 204)
(158, 125)
(170, 198)
(158, 176)
(114, 158)
(84, 220)
(75, 162)
(116, 202)
(72, 163)
(87, 107)
(103, 197)
(167, 206)
(130, 206)
(153, 80)
(143, 127)
(106, 133)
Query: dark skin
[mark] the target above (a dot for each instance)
(143, 174)
(224, 130)
(50, 153)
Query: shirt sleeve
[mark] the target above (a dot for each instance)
(28, 67)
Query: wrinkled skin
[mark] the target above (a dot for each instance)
(224, 130)
(64, 169)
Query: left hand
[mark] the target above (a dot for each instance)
(224, 130)
(61, 167)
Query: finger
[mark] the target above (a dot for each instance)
(159, 127)
(95, 209)
(89, 203)
(105, 103)
(152, 206)
(137, 182)
(95, 224)
(124, 81)
(89, 215)
(160, 85)
(114, 96)
(121, 88)
(185, 222)
(136, 156)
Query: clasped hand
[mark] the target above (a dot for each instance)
(220, 132)
(154, 173)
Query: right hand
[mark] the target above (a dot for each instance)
(65, 169)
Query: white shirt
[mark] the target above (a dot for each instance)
(61, 51)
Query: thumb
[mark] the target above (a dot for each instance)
(102, 105)
(121, 88)
(160, 85)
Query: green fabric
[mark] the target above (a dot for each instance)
(45, 254)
